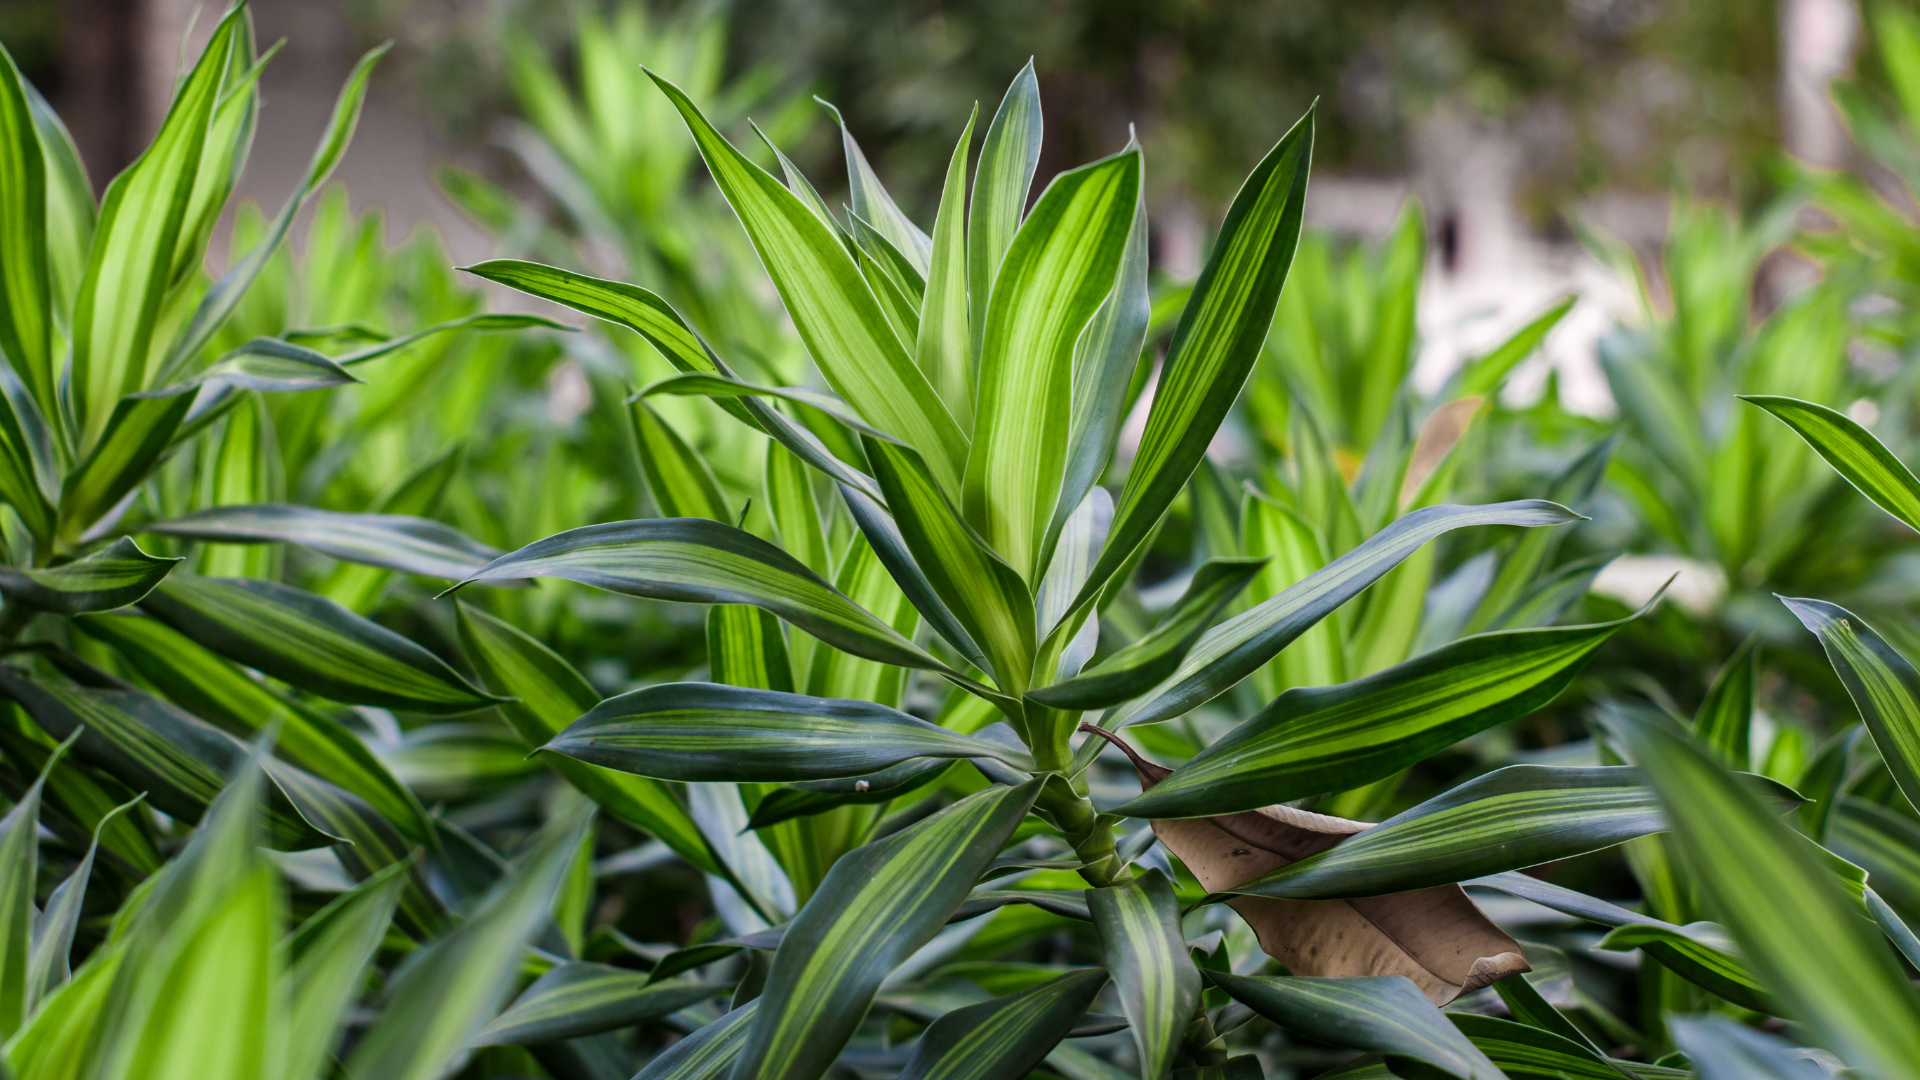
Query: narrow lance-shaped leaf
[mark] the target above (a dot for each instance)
(699, 561)
(710, 731)
(1214, 347)
(681, 482)
(890, 546)
(576, 999)
(1139, 666)
(1854, 453)
(1001, 180)
(1140, 939)
(1006, 1036)
(1883, 685)
(313, 643)
(412, 545)
(546, 695)
(1384, 1014)
(444, 993)
(1314, 739)
(26, 289)
(1519, 1049)
(831, 305)
(19, 868)
(1238, 647)
(1722, 1048)
(49, 965)
(1726, 714)
(944, 349)
(878, 905)
(329, 955)
(1059, 269)
(872, 203)
(129, 449)
(272, 364)
(26, 457)
(141, 224)
(707, 1053)
(115, 576)
(819, 796)
(1797, 927)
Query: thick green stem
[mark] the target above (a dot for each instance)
(1080, 823)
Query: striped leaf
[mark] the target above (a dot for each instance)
(1383, 1014)
(26, 458)
(576, 999)
(831, 305)
(546, 695)
(1699, 953)
(147, 744)
(1896, 929)
(872, 203)
(49, 958)
(1006, 1036)
(1798, 930)
(1143, 664)
(137, 243)
(1722, 1048)
(84, 800)
(1726, 713)
(698, 561)
(26, 289)
(19, 869)
(225, 295)
(1001, 180)
(944, 349)
(863, 578)
(679, 479)
(1060, 267)
(1524, 1053)
(709, 731)
(115, 576)
(820, 796)
(1241, 645)
(987, 596)
(1213, 349)
(1141, 942)
(1886, 843)
(271, 364)
(1486, 373)
(446, 992)
(412, 545)
(220, 693)
(329, 955)
(1515, 817)
(312, 643)
(484, 321)
(1883, 684)
(128, 450)
(890, 547)
(1529, 1007)
(1312, 740)
(1293, 551)
(707, 1053)
(878, 905)
(653, 319)
(1854, 453)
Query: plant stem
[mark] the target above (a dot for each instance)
(1092, 839)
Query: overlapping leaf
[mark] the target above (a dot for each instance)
(117, 575)
(412, 545)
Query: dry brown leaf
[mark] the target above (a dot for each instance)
(1437, 438)
(1436, 937)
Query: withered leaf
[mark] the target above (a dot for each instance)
(1435, 937)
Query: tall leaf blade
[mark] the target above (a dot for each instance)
(1001, 180)
(944, 349)
(1140, 939)
(1006, 1036)
(1059, 269)
(1385, 1014)
(1859, 458)
(26, 289)
(878, 905)
(872, 203)
(329, 954)
(707, 1053)
(832, 306)
(1882, 683)
(1219, 337)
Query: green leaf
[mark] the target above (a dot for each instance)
(329, 957)
(1883, 685)
(1485, 374)
(1241, 645)
(1293, 551)
(1798, 929)
(794, 511)
(1059, 269)
(831, 305)
(864, 579)
(707, 1053)
(890, 546)
(483, 321)
(117, 575)
(698, 561)
(1214, 347)
(143, 220)
(1726, 713)
(547, 694)
(1004, 1037)
(1890, 923)
(710, 731)
(987, 596)
(243, 466)
(48, 958)
(576, 999)
(446, 992)
(944, 349)
(26, 458)
(412, 545)
(1699, 953)
(1722, 1048)
(820, 796)
(20, 860)
(220, 693)
(1385, 1014)
(147, 744)
(128, 450)
(1519, 816)
(220, 301)
(271, 364)
(1854, 453)
(1143, 664)
(1525, 1052)
(1314, 739)
(878, 905)
(1884, 841)
(313, 643)
(1528, 1007)
(1141, 942)
(26, 289)
(1001, 180)
(679, 479)
(872, 203)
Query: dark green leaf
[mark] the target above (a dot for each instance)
(1882, 683)
(26, 289)
(128, 451)
(1385, 1014)
(115, 576)
(576, 999)
(820, 796)
(1006, 1036)
(1159, 986)
(1854, 453)
(708, 1053)
(272, 364)
(411, 545)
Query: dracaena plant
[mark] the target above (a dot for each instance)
(975, 376)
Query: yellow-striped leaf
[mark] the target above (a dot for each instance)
(1141, 942)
